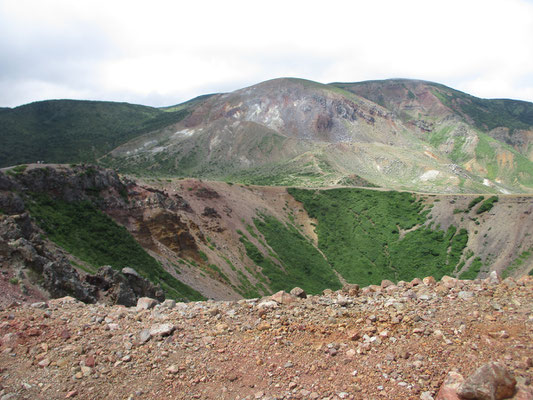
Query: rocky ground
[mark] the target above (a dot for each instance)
(394, 341)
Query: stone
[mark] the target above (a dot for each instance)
(130, 271)
(448, 389)
(465, 295)
(146, 303)
(169, 303)
(415, 282)
(90, 361)
(298, 292)
(39, 304)
(162, 329)
(492, 381)
(283, 297)
(385, 283)
(429, 281)
(494, 278)
(352, 289)
(44, 363)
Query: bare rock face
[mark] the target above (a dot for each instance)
(492, 381)
(60, 280)
(123, 288)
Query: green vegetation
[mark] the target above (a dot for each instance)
(368, 236)
(69, 131)
(19, 169)
(474, 269)
(93, 237)
(517, 262)
(487, 114)
(303, 265)
(474, 202)
(487, 205)
(14, 281)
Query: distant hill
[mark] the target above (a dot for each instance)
(65, 131)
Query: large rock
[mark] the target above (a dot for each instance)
(299, 292)
(283, 297)
(123, 288)
(448, 389)
(492, 381)
(162, 330)
(60, 279)
(146, 303)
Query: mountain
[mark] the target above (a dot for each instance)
(69, 131)
(401, 134)
(408, 135)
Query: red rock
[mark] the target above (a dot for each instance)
(89, 361)
(492, 381)
(448, 389)
(65, 334)
(415, 282)
(72, 393)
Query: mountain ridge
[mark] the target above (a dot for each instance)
(398, 133)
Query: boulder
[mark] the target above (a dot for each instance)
(162, 330)
(448, 389)
(123, 288)
(352, 289)
(146, 303)
(298, 292)
(492, 381)
(282, 297)
(385, 283)
(429, 281)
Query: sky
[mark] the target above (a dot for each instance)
(161, 53)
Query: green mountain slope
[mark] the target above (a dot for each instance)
(69, 131)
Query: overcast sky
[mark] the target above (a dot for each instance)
(165, 52)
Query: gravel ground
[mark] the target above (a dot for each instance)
(394, 341)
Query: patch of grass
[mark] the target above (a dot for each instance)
(473, 270)
(359, 232)
(487, 205)
(473, 203)
(518, 261)
(87, 233)
(203, 256)
(19, 169)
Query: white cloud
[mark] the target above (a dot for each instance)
(164, 52)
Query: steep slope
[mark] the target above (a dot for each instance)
(228, 241)
(63, 131)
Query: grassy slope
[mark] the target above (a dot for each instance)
(93, 237)
(68, 131)
(359, 232)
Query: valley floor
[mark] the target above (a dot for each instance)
(395, 342)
